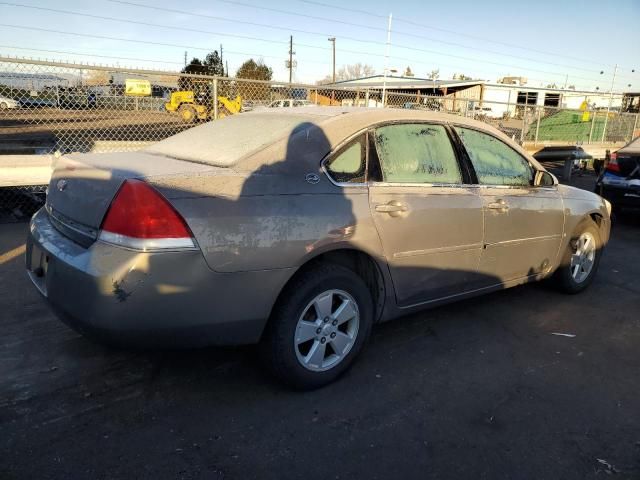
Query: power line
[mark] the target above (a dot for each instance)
(431, 27)
(406, 34)
(147, 24)
(407, 47)
(411, 60)
(162, 44)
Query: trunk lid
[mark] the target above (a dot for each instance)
(83, 185)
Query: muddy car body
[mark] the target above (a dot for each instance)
(301, 228)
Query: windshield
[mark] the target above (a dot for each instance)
(223, 142)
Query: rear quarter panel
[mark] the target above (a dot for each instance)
(261, 232)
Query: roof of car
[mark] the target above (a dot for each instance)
(306, 131)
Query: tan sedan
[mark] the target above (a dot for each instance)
(300, 229)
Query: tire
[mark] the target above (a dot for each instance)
(565, 277)
(3, 106)
(187, 113)
(301, 311)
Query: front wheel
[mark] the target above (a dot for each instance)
(319, 326)
(187, 113)
(581, 259)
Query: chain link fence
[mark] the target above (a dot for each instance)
(19, 203)
(48, 107)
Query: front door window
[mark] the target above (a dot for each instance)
(494, 161)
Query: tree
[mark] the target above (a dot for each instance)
(434, 74)
(212, 65)
(408, 72)
(97, 77)
(461, 76)
(254, 71)
(350, 72)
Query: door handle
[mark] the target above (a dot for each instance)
(499, 205)
(394, 208)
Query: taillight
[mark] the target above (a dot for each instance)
(613, 166)
(139, 217)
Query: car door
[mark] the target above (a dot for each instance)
(523, 222)
(428, 218)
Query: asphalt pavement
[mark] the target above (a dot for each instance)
(526, 383)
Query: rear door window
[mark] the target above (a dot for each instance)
(417, 153)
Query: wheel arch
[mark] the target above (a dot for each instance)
(360, 262)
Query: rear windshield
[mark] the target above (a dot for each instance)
(222, 143)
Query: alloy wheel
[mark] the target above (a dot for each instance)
(583, 258)
(327, 330)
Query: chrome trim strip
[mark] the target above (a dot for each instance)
(427, 185)
(147, 244)
(428, 251)
(524, 240)
(66, 222)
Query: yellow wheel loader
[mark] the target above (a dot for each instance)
(192, 107)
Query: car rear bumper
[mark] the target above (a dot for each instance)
(142, 299)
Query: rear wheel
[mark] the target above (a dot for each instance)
(187, 113)
(581, 259)
(3, 106)
(319, 326)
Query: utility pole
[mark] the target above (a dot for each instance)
(386, 64)
(333, 41)
(606, 119)
(221, 62)
(226, 69)
(290, 58)
(185, 58)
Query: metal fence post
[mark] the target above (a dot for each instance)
(215, 98)
(366, 98)
(635, 125)
(535, 141)
(604, 128)
(524, 124)
(594, 114)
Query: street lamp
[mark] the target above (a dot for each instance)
(333, 41)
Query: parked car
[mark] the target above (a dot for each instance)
(6, 103)
(620, 181)
(426, 104)
(563, 153)
(300, 229)
(32, 102)
(290, 102)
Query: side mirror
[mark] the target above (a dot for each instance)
(545, 179)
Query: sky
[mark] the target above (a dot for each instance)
(546, 41)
